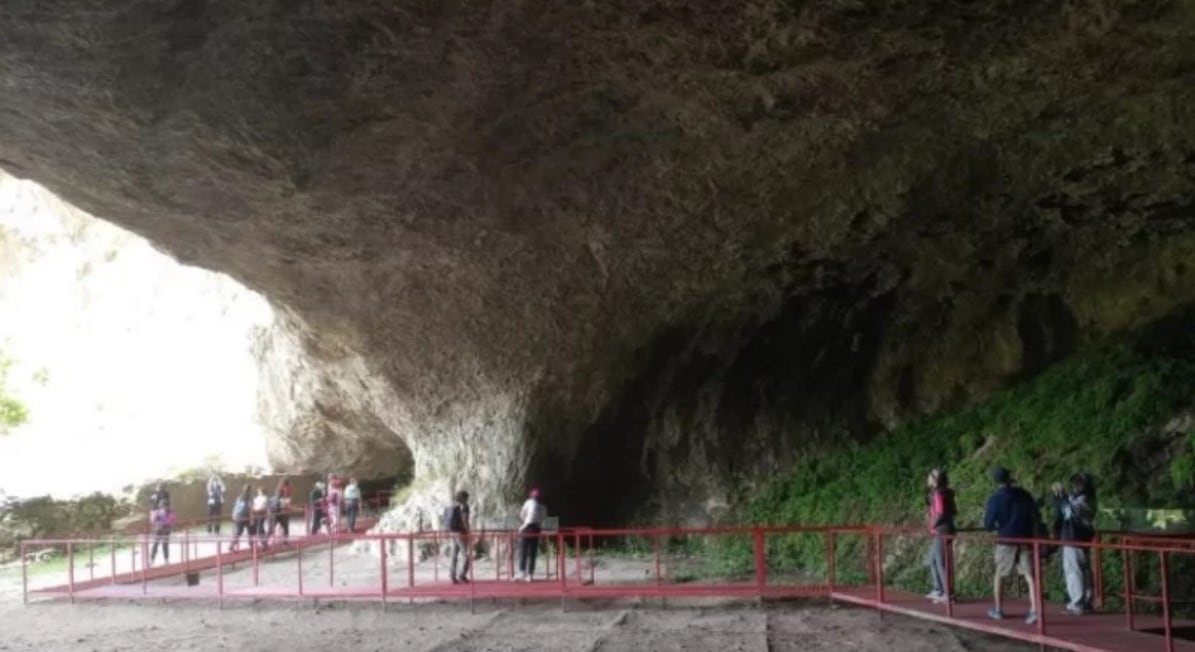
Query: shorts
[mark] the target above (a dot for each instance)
(1013, 558)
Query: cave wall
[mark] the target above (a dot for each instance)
(671, 239)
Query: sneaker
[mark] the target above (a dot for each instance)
(995, 614)
(942, 599)
(455, 581)
(933, 595)
(1031, 618)
(464, 580)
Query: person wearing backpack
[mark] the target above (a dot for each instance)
(316, 501)
(280, 510)
(1013, 514)
(457, 522)
(215, 503)
(240, 517)
(1075, 518)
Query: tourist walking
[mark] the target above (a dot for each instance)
(1075, 523)
(261, 512)
(280, 510)
(240, 517)
(531, 518)
(1013, 514)
(352, 504)
(315, 501)
(458, 526)
(334, 502)
(215, 503)
(942, 510)
(161, 521)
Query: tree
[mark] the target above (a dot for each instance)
(12, 412)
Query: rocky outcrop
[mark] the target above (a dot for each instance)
(116, 348)
(640, 251)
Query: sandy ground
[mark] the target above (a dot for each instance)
(504, 626)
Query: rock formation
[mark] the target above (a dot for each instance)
(640, 251)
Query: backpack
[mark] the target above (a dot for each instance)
(451, 519)
(275, 504)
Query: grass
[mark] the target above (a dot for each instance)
(1098, 412)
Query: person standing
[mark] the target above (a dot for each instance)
(261, 512)
(334, 503)
(458, 525)
(352, 504)
(531, 518)
(162, 519)
(215, 503)
(315, 500)
(159, 498)
(281, 510)
(240, 517)
(942, 512)
(1013, 514)
(1075, 518)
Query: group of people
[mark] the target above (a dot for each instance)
(329, 502)
(261, 515)
(1015, 516)
(456, 521)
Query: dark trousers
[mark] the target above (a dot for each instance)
(351, 509)
(213, 518)
(460, 550)
(317, 521)
(258, 528)
(281, 522)
(161, 541)
(529, 549)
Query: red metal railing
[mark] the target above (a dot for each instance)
(650, 563)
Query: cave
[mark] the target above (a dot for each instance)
(642, 253)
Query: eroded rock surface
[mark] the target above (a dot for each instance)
(640, 251)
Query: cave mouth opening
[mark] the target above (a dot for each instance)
(129, 366)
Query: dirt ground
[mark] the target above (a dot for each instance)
(503, 626)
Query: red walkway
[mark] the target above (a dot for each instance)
(570, 574)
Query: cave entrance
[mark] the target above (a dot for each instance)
(128, 366)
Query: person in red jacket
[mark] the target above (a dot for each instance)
(942, 510)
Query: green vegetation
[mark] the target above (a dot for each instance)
(1102, 412)
(12, 412)
(1094, 413)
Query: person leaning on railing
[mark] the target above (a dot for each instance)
(1074, 522)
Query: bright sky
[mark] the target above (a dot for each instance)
(130, 364)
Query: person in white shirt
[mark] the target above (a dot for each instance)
(261, 511)
(532, 516)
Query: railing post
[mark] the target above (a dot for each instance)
(411, 567)
(1038, 590)
(112, 552)
(761, 560)
(24, 574)
(385, 579)
(91, 559)
(331, 562)
(655, 539)
(560, 566)
(948, 542)
(220, 572)
(1127, 575)
(1163, 559)
(299, 557)
(577, 549)
(70, 570)
(144, 564)
(831, 561)
(253, 552)
(1097, 571)
(879, 548)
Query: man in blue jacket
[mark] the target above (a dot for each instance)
(1012, 514)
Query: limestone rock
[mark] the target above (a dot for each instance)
(640, 251)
